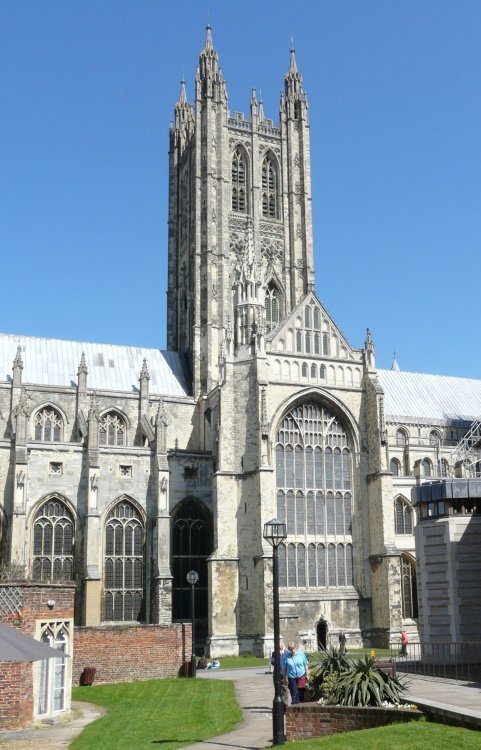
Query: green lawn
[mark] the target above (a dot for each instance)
(419, 735)
(169, 713)
(238, 662)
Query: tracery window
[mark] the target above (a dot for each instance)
(53, 683)
(53, 542)
(239, 181)
(112, 429)
(434, 439)
(124, 564)
(48, 425)
(409, 592)
(272, 302)
(403, 517)
(395, 467)
(401, 438)
(270, 188)
(314, 498)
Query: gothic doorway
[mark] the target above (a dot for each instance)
(322, 630)
(191, 546)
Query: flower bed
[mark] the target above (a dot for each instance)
(305, 720)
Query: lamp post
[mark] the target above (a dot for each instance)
(192, 578)
(275, 533)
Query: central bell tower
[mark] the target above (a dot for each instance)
(240, 230)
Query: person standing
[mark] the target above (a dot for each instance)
(297, 671)
(404, 643)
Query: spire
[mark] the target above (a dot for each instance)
(183, 94)
(293, 64)
(369, 349)
(82, 368)
(261, 111)
(394, 366)
(293, 80)
(17, 362)
(209, 47)
(208, 60)
(253, 102)
(144, 373)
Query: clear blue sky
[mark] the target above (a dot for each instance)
(87, 92)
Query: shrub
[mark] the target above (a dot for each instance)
(364, 685)
(324, 663)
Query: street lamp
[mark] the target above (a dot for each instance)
(275, 533)
(192, 578)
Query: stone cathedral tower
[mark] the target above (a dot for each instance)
(240, 236)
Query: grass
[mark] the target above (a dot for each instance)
(169, 713)
(418, 735)
(246, 660)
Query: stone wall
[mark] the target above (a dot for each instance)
(122, 653)
(306, 720)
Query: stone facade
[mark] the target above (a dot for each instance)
(148, 464)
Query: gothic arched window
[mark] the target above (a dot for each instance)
(409, 591)
(434, 439)
(112, 429)
(124, 564)
(426, 467)
(314, 498)
(48, 425)
(192, 534)
(401, 438)
(403, 517)
(53, 542)
(272, 302)
(395, 467)
(443, 468)
(239, 181)
(270, 188)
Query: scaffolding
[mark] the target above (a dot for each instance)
(468, 451)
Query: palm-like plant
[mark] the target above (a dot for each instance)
(326, 661)
(364, 685)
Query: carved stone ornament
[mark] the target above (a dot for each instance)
(163, 485)
(94, 411)
(24, 405)
(161, 416)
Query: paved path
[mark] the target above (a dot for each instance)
(254, 693)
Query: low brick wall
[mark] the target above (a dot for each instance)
(306, 720)
(121, 653)
(16, 694)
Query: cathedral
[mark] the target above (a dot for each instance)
(123, 468)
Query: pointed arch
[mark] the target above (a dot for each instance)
(403, 516)
(270, 186)
(274, 303)
(192, 543)
(53, 539)
(48, 424)
(113, 429)
(124, 561)
(240, 180)
(313, 450)
(409, 591)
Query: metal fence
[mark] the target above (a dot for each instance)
(457, 660)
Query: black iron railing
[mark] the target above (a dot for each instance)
(455, 660)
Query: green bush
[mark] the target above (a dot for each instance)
(365, 685)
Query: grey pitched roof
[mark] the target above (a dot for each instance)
(110, 367)
(16, 646)
(414, 395)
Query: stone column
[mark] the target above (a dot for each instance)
(92, 608)
(162, 583)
